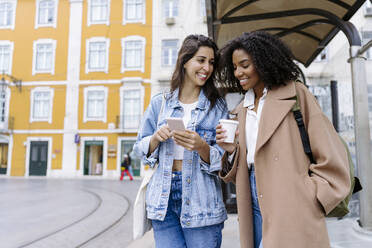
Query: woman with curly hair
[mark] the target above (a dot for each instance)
(184, 196)
(282, 198)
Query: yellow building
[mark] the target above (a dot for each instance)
(85, 68)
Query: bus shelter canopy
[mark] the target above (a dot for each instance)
(306, 26)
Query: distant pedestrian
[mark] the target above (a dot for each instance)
(124, 167)
(130, 167)
(282, 198)
(184, 196)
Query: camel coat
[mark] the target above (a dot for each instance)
(293, 204)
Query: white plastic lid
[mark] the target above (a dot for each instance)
(229, 121)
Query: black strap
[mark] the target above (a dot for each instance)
(306, 142)
(357, 186)
(304, 136)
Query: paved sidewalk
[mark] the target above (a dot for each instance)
(344, 233)
(41, 212)
(64, 213)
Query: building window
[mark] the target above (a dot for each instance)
(95, 103)
(133, 53)
(7, 14)
(367, 36)
(169, 52)
(323, 56)
(6, 52)
(98, 12)
(97, 54)
(132, 111)
(368, 9)
(134, 11)
(131, 104)
(203, 11)
(46, 13)
(44, 56)
(170, 8)
(41, 104)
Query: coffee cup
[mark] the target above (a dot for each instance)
(230, 127)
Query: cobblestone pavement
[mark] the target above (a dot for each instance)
(39, 212)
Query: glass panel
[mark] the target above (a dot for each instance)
(133, 10)
(4, 58)
(46, 12)
(169, 52)
(131, 109)
(99, 108)
(6, 12)
(369, 97)
(127, 147)
(45, 106)
(43, 153)
(367, 36)
(203, 11)
(3, 155)
(99, 10)
(175, 8)
(34, 151)
(133, 54)
(96, 100)
(97, 55)
(170, 8)
(41, 105)
(94, 142)
(44, 57)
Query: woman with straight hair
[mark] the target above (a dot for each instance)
(282, 198)
(184, 198)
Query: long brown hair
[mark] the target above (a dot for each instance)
(189, 48)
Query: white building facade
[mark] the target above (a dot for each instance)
(332, 64)
(173, 20)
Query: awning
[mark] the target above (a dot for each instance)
(306, 26)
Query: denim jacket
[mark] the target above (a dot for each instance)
(202, 203)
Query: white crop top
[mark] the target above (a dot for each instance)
(187, 108)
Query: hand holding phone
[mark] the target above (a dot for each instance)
(175, 124)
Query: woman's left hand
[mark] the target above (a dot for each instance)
(190, 140)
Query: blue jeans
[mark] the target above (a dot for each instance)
(170, 234)
(257, 218)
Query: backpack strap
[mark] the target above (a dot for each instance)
(306, 142)
(301, 127)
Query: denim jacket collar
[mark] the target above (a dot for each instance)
(174, 101)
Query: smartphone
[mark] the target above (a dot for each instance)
(175, 124)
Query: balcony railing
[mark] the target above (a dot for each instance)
(6, 124)
(128, 123)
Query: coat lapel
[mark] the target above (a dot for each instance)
(278, 103)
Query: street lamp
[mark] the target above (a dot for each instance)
(4, 84)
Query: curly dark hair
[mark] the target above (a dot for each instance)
(272, 59)
(189, 48)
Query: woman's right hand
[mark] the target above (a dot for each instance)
(220, 139)
(162, 134)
